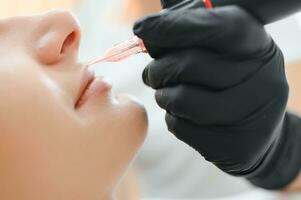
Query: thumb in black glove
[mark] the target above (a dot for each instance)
(221, 79)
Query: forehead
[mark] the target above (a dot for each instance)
(20, 7)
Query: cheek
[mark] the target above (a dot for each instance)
(46, 146)
(31, 105)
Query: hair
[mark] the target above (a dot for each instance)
(21, 7)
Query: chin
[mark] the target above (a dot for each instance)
(136, 115)
(131, 132)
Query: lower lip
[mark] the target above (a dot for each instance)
(98, 86)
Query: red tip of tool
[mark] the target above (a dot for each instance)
(208, 4)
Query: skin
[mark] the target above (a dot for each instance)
(20, 7)
(49, 148)
(293, 70)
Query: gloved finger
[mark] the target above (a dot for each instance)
(157, 29)
(201, 106)
(199, 137)
(198, 67)
(216, 28)
(226, 107)
(189, 132)
(211, 142)
(154, 51)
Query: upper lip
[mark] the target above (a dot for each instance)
(86, 80)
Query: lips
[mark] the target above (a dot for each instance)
(91, 86)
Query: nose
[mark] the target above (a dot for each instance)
(59, 37)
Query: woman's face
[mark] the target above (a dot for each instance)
(63, 133)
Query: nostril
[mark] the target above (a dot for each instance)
(59, 37)
(69, 41)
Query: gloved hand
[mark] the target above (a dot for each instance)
(266, 11)
(220, 77)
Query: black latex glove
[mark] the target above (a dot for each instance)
(221, 79)
(266, 11)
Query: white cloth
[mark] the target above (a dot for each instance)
(168, 168)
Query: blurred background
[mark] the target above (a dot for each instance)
(165, 167)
